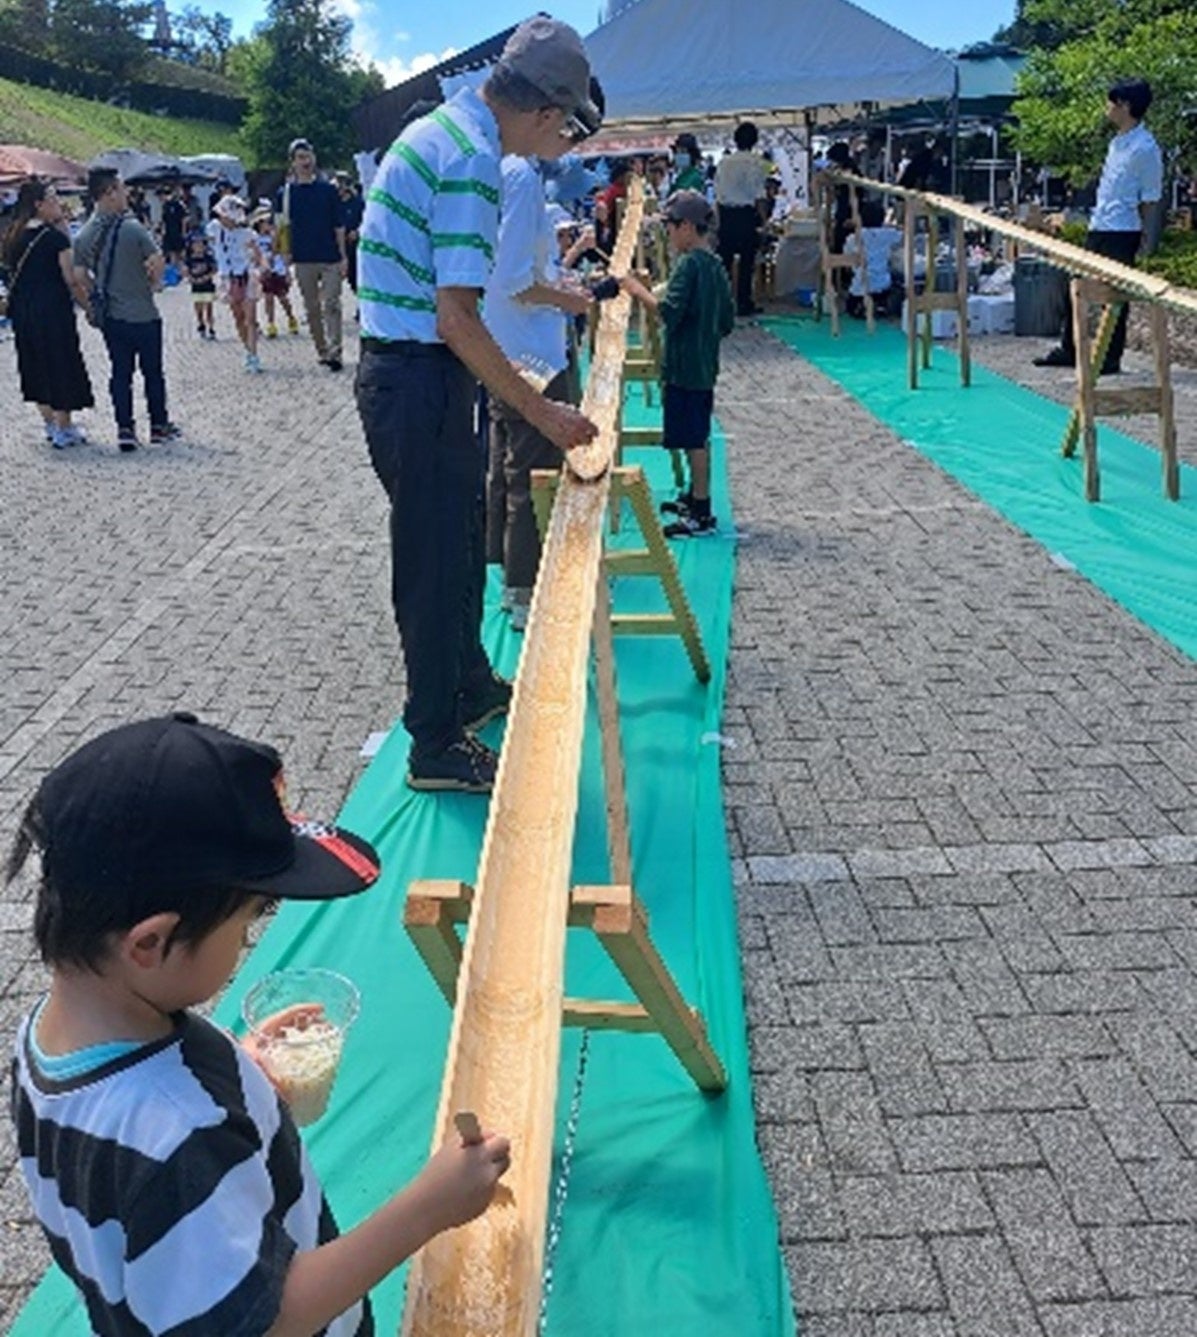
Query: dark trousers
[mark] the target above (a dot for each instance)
(516, 448)
(132, 343)
(738, 237)
(417, 411)
(1121, 246)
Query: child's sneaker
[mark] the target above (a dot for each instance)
(292, 326)
(201, 332)
(681, 505)
(62, 438)
(691, 527)
(272, 331)
(164, 433)
(251, 363)
(126, 440)
(212, 333)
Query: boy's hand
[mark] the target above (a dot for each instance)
(574, 301)
(564, 426)
(298, 1017)
(460, 1180)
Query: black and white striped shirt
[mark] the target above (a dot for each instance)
(172, 1186)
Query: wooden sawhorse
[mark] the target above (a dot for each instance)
(918, 343)
(1092, 402)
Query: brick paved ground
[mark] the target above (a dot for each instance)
(964, 809)
(963, 803)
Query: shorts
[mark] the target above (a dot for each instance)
(687, 417)
(275, 285)
(204, 291)
(243, 288)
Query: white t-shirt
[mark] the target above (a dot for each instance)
(526, 254)
(878, 243)
(233, 249)
(740, 179)
(1133, 174)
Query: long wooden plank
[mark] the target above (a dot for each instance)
(1075, 259)
(484, 1279)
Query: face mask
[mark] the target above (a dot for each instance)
(682, 160)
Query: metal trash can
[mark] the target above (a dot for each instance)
(1040, 297)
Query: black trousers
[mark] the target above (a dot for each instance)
(1122, 246)
(738, 237)
(133, 343)
(417, 409)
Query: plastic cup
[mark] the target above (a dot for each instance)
(298, 1020)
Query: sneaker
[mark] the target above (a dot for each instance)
(519, 616)
(164, 434)
(212, 333)
(272, 331)
(465, 767)
(679, 506)
(485, 703)
(201, 331)
(334, 364)
(292, 326)
(252, 363)
(126, 440)
(62, 438)
(691, 527)
(1054, 357)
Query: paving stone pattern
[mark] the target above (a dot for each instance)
(961, 803)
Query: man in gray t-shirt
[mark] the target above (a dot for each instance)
(120, 257)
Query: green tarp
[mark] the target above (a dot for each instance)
(1002, 441)
(668, 1226)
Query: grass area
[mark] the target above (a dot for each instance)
(80, 129)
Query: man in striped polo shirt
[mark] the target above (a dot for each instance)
(426, 252)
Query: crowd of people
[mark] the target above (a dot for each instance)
(114, 265)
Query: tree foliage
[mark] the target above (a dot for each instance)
(1085, 46)
(302, 81)
(205, 39)
(103, 35)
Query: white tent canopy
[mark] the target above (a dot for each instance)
(707, 61)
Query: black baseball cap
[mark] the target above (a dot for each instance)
(174, 804)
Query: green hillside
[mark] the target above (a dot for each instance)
(80, 129)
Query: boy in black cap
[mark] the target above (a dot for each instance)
(696, 311)
(167, 1174)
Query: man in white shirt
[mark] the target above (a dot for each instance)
(739, 185)
(526, 311)
(1132, 183)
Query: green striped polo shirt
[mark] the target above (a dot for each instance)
(432, 219)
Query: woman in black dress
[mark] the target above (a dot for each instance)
(41, 305)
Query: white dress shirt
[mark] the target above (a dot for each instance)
(1133, 174)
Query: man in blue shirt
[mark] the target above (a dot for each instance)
(1132, 182)
(315, 230)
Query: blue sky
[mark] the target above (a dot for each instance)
(403, 38)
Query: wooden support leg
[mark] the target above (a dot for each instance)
(430, 912)
(620, 922)
(619, 848)
(684, 622)
(1163, 376)
(912, 318)
(966, 372)
(1086, 371)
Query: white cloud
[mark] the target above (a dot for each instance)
(395, 69)
(402, 36)
(352, 9)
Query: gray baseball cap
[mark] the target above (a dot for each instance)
(550, 55)
(688, 206)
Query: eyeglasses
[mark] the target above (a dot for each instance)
(580, 124)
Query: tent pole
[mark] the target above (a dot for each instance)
(954, 130)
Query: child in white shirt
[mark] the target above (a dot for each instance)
(238, 262)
